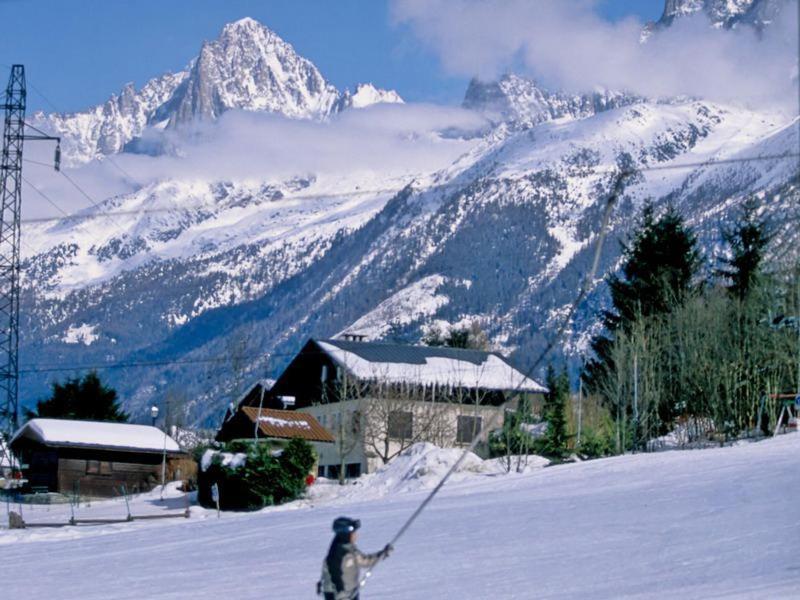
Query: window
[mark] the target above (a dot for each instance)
(352, 470)
(356, 422)
(401, 425)
(321, 471)
(468, 428)
(333, 471)
(98, 467)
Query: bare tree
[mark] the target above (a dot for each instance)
(399, 415)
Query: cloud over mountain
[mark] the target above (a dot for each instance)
(566, 44)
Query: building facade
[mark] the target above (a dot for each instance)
(379, 399)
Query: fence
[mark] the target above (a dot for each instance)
(47, 509)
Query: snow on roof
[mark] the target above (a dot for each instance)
(287, 424)
(429, 366)
(284, 423)
(124, 436)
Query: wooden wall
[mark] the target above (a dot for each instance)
(101, 472)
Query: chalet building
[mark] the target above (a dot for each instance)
(95, 458)
(377, 399)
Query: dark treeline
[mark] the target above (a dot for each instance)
(700, 344)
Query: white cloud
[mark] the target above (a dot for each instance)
(566, 44)
(387, 140)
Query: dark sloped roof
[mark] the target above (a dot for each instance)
(287, 424)
(412, 355)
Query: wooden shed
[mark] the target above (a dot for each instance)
(92, 458)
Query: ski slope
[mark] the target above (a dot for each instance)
(718, 523)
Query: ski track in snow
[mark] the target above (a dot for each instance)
(719, 523)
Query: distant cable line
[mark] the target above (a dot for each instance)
(361, 192)
(47, 368)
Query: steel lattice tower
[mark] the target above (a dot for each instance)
(10, 229)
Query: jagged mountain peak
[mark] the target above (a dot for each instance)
(366, 94)
(243, 24)
(722, 13)
(247, 67)
(250, 67)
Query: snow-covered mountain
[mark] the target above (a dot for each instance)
(248, 67)
(522, 102)
(365, 95)
(192, 280)
(723, 13)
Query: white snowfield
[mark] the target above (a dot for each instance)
(93, 433)
(718, 523)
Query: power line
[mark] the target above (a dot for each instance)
(61, 210)
(34, 369)
(376, 191)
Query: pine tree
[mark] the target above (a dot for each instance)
(86, 399)
(658, 272)
(554, 443)
(658, 269)
(747, 240)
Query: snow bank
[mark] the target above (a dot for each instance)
(421, 467)
(418, 468)
(515, 464)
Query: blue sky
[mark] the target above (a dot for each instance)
(78, 52)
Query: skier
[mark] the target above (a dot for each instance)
(340, 569)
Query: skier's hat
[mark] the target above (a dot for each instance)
(346, 525)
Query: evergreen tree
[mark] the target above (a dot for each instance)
(86, 399)
(554, 443)
(747, 240)
(658, 271)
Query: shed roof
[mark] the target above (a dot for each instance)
(96, 434)
(287, 424)
(429, 365)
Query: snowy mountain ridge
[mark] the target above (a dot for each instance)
(248, 67)
(189, 267)
(524, 103)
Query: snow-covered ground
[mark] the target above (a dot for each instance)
(683, 524)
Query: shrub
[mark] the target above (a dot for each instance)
(264, 478)
(596, 443)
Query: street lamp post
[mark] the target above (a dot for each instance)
(154, 415)
(164, 464)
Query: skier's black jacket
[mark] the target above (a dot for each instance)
(340, 569)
